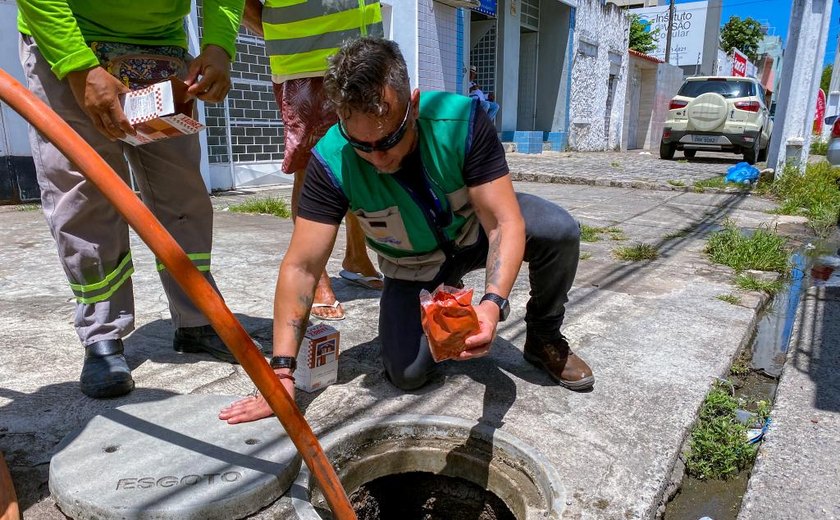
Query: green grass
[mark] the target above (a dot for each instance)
(814, 195)
(718, 447)
(28, 207)
(594, 234)
(615, 233)
(819, 146)
(680, 233)
(739, 368)
(615, 164)
(714, 182)
(585, 255)
(636, 252)
(682, 161)
(266, 206)
(762, 250)
(590, 233)
(676, 183)
(734, 299)
(749, 283)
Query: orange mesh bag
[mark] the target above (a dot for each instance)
(448, 319)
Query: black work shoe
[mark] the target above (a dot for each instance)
(558, 360)
(190, 340)
(105, 372)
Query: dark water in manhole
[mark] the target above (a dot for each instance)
(721, 500)
(426, 496)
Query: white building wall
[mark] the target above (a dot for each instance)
(14, 130)
(404, 16)
(669, 79)
(599, 31)
(437, 46)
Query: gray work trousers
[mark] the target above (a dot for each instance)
(91, 236)
(552, 249)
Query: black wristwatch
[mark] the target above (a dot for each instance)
(283, 362)
(504, 305)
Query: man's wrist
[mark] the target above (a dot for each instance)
(283, 362)
(499, 302)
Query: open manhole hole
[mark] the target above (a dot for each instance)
(415, 467)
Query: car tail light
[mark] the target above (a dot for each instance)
(835, 128)
(749, 106)
(676, 104)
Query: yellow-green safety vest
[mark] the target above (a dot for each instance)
(301, 35)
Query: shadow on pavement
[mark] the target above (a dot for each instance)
(153, 341)
(816, 347)
(31, 451)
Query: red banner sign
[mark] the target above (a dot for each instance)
(739, 63)
(819, 116)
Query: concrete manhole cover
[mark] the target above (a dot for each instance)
(172, 459)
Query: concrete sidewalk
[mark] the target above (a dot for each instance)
(654, 332)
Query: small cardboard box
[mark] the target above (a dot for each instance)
(160, 111)
(317, 360)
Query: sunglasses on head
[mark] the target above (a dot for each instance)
(386, 143)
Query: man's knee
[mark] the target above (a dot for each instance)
(406, 379)
(548, 222)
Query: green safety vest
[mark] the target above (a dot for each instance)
(301, 35)
(395, 225)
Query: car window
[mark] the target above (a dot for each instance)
(727, 89)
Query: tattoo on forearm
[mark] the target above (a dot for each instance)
(494, 260)
(299, 324)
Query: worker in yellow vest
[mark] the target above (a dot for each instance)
(299, 40)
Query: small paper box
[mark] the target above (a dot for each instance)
(317, 360)
(160, 111)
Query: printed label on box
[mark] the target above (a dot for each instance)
(318, 358)
(160, 111)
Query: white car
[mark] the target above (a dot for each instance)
(727, 114)
(833, 152)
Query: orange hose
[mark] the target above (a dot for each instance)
(8, 500)
(138, 216)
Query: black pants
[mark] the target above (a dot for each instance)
(552, 246)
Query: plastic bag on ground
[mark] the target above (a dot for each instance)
(448, 318)
(742, 173)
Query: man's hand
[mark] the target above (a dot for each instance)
(98, 93)
(478, 345)
(213, 68)
(254, 407)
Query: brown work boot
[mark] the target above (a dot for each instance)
(556, 358)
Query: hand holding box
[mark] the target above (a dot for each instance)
(160, 111)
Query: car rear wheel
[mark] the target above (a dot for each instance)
(751, 154)
(689, 154)
(666, 151)
(762, 154)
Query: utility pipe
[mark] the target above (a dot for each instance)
(8, 500)
(138, 216)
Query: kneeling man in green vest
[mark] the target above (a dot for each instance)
(426, 175)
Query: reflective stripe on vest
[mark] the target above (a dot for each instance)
(201, 261)
(102, 290)
(301, 36)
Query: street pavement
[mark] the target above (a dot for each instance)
(654, 332)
